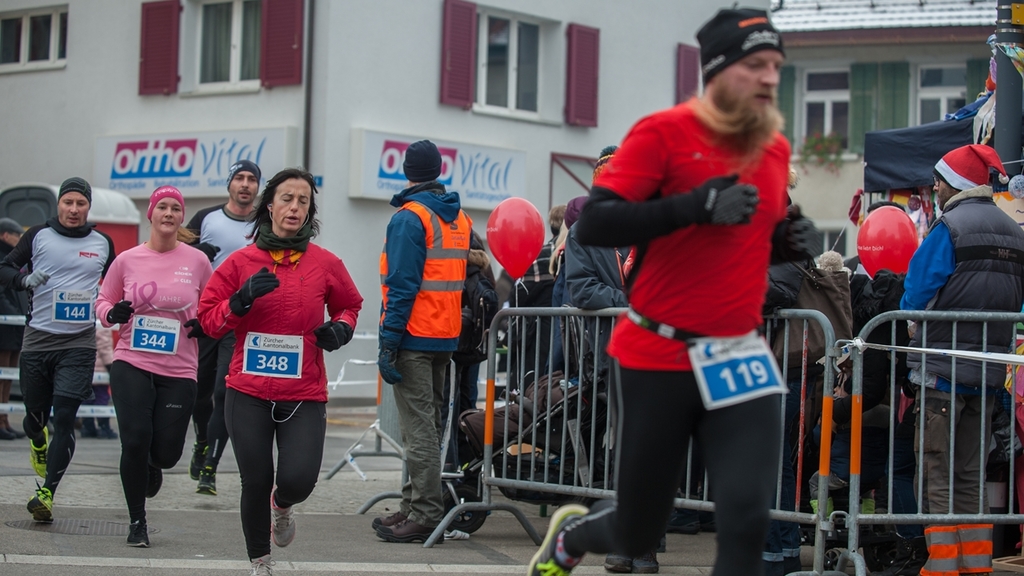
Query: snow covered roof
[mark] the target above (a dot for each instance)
(823, 15)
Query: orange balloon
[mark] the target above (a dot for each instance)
(887, 240)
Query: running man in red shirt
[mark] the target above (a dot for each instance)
(700, 190)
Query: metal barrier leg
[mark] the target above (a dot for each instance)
(483, 507)
(351, 454)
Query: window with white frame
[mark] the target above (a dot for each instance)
(33, 39)
(229, 42)
(827, 104)
(941, 90)
(509, 61)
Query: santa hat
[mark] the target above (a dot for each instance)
(969, 167)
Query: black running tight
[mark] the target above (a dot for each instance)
(660, 412)
(62, 443)
(152, 415)
(254, 425)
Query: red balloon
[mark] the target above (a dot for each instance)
(887, 240)
(515, 234)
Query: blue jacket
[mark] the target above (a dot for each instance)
(406, 250)
(930, 268)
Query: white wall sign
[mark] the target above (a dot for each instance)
(482, 175)
(194, 162)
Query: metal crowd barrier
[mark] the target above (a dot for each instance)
(854, 518)
(557, 443)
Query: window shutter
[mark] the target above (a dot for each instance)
(787, 101)
(893, 95)
(458, 54)
(687, 72)
(977, 73)
(281, 43)
(158, 53)
(863, 88)
(581, 75)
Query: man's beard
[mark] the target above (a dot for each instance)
(744, 127)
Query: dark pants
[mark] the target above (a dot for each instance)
(466, 377)
(661, 411)
(299, 429)
(152, 414)
(784, 537)
(208, 416)
(61, 380)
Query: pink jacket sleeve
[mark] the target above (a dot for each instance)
(215, 314)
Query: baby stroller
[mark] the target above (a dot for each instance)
(552, 430)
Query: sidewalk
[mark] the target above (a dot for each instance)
(196, 534)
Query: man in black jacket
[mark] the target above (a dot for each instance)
(12, 303)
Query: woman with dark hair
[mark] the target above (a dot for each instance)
(272, 294)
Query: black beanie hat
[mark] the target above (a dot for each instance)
(422, 162)
(243, 166)
(733, 34)
(76, 184)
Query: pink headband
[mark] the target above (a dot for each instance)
(161, 193)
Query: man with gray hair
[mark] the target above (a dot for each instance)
(12, 303)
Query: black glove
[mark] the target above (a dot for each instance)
(120, 312)
(209, 249)
(796, 238)
(720, 201)
(259, 284)
(386, 360)
(333, 335)
(194, 329)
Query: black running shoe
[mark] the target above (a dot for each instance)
(207, 481)
(198, 459)
(155, 481)
(138, 534)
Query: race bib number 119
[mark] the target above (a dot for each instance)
(734, 370)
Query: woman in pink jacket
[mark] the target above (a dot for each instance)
(272, 294)
(152, 291)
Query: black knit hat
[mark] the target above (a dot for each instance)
(422, 162)
(76, 184)
(733, 34)
(243, 166)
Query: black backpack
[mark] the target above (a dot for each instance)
(479, 305)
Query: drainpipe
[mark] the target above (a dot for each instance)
(1008, 90)
(307, 120)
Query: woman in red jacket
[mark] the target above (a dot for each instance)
(272, 294)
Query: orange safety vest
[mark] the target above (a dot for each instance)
(437, 310)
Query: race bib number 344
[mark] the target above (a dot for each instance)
(154, 334)
(734, 370)
(272, 355)
(73, 306)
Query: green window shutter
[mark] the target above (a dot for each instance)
(787, 101)
(863, 94)
(977, 73)
(894, 95)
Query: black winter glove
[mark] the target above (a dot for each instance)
(386, 359)
(719, 201)
(120, 313)
(259, 284)
(796, 238)
(194, 329)
(209, 249)
(333, 335)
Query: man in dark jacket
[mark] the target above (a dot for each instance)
(422, 270)
(972, 259)
(12, 303)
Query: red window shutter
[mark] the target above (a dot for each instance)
(281, 43)
(458, 53)
(687, 72)
(581, 75)
(158, 54)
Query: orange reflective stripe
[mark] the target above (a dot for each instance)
(977, 548)
(928, 572)
(944, 551)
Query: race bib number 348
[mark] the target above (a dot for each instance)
(734, 370)
(272, 355)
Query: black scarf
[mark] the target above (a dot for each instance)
(267, 240)
(79, 232)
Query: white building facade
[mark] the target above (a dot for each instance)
(520, 96)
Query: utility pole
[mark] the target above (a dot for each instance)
(1009, 20)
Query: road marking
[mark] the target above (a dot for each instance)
(237, 565)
